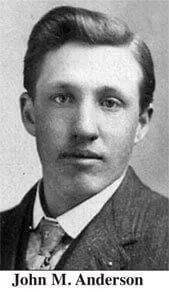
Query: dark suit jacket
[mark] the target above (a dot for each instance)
(129, 233)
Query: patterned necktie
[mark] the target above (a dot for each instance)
(46, 245)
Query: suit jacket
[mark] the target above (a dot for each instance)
(129, 233)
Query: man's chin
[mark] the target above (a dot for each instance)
(89, 185)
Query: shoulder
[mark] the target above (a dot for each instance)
(135, 197)
(12, 215)
(154, 207)
(154, 204)
(143, 195)
(138, 210)
(141, 216)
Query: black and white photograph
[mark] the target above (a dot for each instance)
(84, 157)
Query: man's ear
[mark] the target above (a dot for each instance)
(27, 113)
(143, 124)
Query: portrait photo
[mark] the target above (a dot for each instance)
(84, 154)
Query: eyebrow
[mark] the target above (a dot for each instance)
(62, 85)
(111, 90)
(74, 86)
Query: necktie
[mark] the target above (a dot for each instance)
(46, 245)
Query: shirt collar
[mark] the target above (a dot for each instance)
(75, 220)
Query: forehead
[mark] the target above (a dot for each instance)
(90, 66)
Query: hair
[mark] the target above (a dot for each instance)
(64, 24)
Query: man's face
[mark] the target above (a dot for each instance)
(86, 115)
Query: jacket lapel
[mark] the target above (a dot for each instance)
(97, 247)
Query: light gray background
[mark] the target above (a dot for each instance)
(19, 163)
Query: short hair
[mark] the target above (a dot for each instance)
(65, 23)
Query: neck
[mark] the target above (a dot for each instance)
(59, 199)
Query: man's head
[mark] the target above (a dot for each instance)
(90, 85)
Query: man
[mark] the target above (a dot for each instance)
(89, 89)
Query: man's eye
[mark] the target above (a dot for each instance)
(61, 98)
(111, 103)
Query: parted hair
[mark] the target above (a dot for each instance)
(65, 23)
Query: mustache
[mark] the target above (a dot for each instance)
(80, 153)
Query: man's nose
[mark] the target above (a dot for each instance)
(86, 122)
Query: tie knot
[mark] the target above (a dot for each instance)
(51, 234)
(46, 245)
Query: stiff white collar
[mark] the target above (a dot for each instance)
(76, 219)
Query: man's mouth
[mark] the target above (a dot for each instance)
(81, 154)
